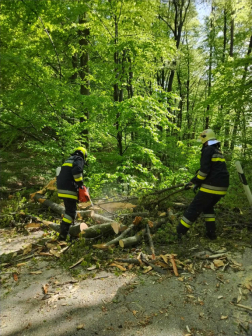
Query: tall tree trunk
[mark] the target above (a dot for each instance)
(211, 37)
(84, 73)
(239, 109)
(231, 53)
(118, 93)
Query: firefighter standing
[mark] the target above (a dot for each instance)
(212, 180)
(69, 180)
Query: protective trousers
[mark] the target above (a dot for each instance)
(69, 216)
(202, 202)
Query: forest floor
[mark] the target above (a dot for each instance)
(42, 295)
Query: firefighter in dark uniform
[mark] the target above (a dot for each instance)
(69, 180)
(212, 180)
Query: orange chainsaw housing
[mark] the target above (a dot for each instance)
(83, 195)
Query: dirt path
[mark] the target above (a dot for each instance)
(128, 304)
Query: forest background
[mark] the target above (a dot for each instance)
(133, 81)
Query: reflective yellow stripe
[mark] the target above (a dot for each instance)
(78, 179)
(218, 159)
(68, 164)
(210, 219)
(200, 177)
(213, 191)
(68, 196)
(184, 223)
(67, 220)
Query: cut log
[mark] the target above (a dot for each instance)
(117, 239)
(135, 239)
(53, 206)
(100, 218)
(91, 232)
(117, 227)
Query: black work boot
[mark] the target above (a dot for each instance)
(210, 230)
(64, 229)
(181, 231)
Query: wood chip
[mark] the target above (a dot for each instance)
(223, 317)
(45, 288)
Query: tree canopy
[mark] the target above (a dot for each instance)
(133, 81)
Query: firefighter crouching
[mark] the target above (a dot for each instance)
(212, 180)
(69, 180)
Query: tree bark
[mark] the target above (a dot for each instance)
(84, 73)
(138, 237)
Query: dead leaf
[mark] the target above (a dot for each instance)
(162, 214)
(147, 269)
(46, 254)
(150, 223)
(212, 266)
(36, 272)
(223, 317)
(220, 297)
(137, 220)
(181, 279)
(130, 266)
(218, 263)
(165, 258)
(45, 288)
(134, 312)
(55, 253)
(239, 298)
(118, 266)
(80, 326)
(91, 268)
(15, 276)
(21, 264)
(27, 249)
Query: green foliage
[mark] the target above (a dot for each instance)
(115, 76)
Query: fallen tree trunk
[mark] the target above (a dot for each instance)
(61, 210)
(116, 240)
(134, 214)
(90, 232)
(139, 235)
(53, 206)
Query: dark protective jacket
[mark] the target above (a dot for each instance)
(70, 177)
(213, 176)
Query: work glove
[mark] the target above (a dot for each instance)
(188, 185)
(195, 188)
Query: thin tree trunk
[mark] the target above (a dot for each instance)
(231, 53)
(238, 110)
(84, 73)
